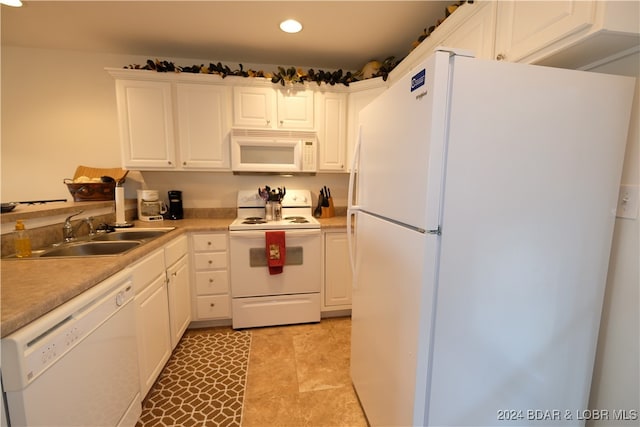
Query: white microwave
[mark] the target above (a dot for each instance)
(275, 151)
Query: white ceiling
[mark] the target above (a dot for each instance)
(336, 34)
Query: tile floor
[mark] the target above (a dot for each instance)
(299, 376)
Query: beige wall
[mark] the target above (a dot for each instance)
(59, 111)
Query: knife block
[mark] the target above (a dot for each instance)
(329, 211)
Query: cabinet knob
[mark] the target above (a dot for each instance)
(169, 162)
(268, 122)
(213, 304)
(211, 280)
(501, 57)
(210, 261)
(184, 163)
(208, 243)
(281, 122)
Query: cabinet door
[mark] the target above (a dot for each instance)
(203, 127)
(146, 124)
(295, 109)
(337, 271)
(179, 291)
(525, 27)
(477, 33)
(331, 114)
(254, 106)
(152, 328)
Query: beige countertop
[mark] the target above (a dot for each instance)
(32, 287)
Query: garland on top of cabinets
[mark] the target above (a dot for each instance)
(294, 75)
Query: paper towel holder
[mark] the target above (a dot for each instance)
(121, 221)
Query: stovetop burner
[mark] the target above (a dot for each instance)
(254, 220)
(296, 212)
(296, 219)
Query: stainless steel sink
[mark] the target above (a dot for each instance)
(114, 243)
(131, 235)
(90, 248)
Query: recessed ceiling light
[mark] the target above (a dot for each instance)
(291, 26)
(14, 3)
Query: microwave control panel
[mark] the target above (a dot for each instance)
(308, 156)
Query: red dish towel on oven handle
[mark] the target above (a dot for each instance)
(276, 251)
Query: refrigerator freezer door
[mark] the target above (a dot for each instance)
(391, 320)
(534, 160)
(401, 152)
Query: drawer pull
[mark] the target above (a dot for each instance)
(210, 261)
(213, 304)
(211, 280)
(209, 243)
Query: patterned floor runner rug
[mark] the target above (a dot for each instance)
(203, 382)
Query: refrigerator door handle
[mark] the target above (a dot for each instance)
(437, 231)
(352, 209)
(354, 170)
(350, 243)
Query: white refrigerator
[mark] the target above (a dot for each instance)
(482, 204)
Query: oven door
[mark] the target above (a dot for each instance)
(249, 272)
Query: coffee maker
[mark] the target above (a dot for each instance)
(150, 207)
(175, 205)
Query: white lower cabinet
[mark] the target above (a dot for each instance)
(163, 307)
(178, 287)
(337, 272)
(211, 276)
(152, 318)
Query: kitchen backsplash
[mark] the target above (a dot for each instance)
(219, 189)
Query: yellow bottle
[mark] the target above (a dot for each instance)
(22, 241)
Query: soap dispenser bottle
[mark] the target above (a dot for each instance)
(22, 241)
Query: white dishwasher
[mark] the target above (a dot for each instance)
(77, 365)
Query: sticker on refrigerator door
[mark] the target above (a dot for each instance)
(417, 80)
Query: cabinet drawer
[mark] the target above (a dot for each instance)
(210, 260)
(214, 306)
(212, 282)
(148, 269)
(175, 250)
(210, 242)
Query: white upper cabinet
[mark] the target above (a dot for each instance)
(266, 107)
(567, 34)
(146, 124)
(477, 33)
(254, 106)
(203, 126)
(295, 109)
(173, 125)
(526, 26)
(331, 119)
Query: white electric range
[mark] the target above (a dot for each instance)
(293, 296)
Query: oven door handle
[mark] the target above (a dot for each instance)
(261, 233)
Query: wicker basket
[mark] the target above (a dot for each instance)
(95, 191)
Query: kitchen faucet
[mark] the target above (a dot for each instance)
(69, 232)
